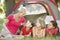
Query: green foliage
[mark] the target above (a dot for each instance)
(1, 10)
(1, 20)
(2, 7)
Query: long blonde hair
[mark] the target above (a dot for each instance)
(21, 8)
(42, 23)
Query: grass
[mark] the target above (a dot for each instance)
(46, 38)
(1, 22)
(31, 38)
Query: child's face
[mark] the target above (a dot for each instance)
(38, 24)
(28, 24)
(50, 26)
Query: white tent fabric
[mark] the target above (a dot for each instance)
(33, 9)
(48, 19)
(59, 9)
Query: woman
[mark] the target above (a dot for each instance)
(13, 21)
(52, 29)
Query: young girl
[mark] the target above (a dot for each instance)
(52, 29)
(27, 29)
(39, 29)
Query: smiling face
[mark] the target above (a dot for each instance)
(28, 24)
(50, 26)
(38, 24)
(21, 13)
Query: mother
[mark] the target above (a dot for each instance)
(14, 21)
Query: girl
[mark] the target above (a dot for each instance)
(27, 29)
(39, 29)
(52, 29)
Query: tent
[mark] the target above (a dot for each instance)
(49, 5)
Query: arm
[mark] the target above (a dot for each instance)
(29, 34)
(23, 21)
(21, 33)
(34, 31)
(55, 31)
(48, 32)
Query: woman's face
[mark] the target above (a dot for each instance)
(50, 25)
(21, 14)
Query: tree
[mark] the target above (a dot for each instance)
(9, 6)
